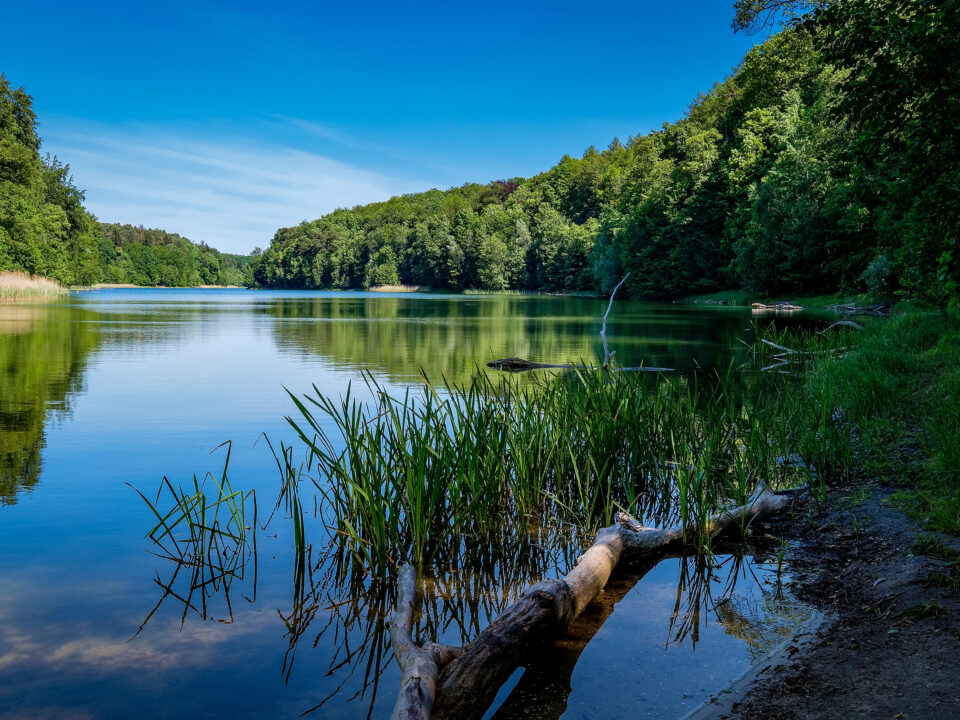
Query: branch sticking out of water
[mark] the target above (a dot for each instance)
(521, 365)
(607, 355)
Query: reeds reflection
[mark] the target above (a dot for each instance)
(204, 532)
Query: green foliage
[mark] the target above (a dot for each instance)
(143, 256)
(763, 15)
(903, 97)
(46, 231)
(878, 277)
(833, 143)
(901, 389)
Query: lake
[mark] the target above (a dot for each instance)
(112, 388)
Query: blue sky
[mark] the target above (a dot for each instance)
(223, 121)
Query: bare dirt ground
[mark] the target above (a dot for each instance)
(889, 646)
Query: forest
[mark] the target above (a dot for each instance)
(45, 229)
(827, 162)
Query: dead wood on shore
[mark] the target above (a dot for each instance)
(442, 682)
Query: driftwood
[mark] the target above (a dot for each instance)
(842, 323)
(420, 664)
(851, 309)
(607, 355)
(521, 365)
(440, 683)
(775, 307)
(789, 355)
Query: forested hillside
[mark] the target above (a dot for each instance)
(828, 161)
(143, 256)
(45, 230)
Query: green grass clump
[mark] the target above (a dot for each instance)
(205, 532)
(901, 386)
(417, 477)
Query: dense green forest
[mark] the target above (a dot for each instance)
(142, 256)
(45, 230)
(828, 161)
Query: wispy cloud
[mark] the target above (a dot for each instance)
(231, 192)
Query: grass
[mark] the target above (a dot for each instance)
(395, 288)
(23, 286)
(902, 389)
(201, 529)
(418, 477)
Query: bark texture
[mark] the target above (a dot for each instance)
(462, 686)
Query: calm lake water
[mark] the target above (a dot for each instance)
(114, 387)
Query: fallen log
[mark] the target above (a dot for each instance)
(852, 309)
(842, 323)
(775, 307)
(462, 686)
(419, 665)
(521, 365)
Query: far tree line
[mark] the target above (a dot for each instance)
(45, 229)
(829, 161)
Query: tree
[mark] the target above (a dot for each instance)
(753, 16)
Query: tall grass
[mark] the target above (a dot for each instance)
(201, 529)
(416, 477)
(901, 388)
(15, 285)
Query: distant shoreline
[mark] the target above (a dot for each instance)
(130, 286)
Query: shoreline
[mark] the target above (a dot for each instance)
(130, 286)
(887, 638)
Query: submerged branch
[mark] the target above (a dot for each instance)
(521, 365)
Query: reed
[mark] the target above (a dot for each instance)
(416, 477)
(201, 529)
(15, 285)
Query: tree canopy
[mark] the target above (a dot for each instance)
(45, 229)
(827, 161)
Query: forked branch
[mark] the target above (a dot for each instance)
(463, 685)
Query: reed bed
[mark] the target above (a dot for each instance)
(15, 285)
(421, 476)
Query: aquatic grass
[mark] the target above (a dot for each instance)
(418, 475)
(205, 530)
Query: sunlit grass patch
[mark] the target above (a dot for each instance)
(16, 285)
(418, 476)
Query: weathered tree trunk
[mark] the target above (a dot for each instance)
(464, 687)
(546, 680)
(420, 665)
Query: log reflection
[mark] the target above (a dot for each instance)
(705, 592)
